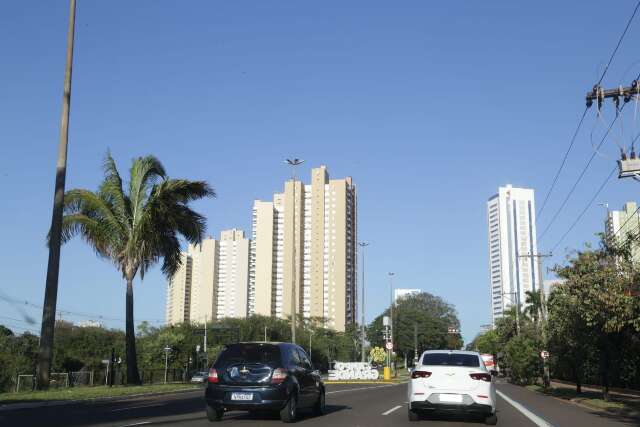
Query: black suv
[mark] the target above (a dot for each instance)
(257, 376)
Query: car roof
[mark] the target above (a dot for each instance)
(475, 353)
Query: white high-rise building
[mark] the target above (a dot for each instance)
(401, 293)
(512, 242)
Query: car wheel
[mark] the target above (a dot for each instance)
(319, 408)
(413, 415)
(289, 413)
(214, 414)
(491, 420)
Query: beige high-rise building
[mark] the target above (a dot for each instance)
(212, 282)
(324, 234)
(177, 308)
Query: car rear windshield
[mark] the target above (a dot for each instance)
(451, 359)
(250, 353)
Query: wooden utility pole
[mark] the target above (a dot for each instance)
(45, 352)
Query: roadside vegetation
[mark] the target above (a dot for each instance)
(83, 393)
(592, 324)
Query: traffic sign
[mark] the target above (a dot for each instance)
(389, 345)
(544, 354)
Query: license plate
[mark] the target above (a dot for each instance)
(241, 396)
(451, 398)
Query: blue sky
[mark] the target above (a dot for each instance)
(429, 106)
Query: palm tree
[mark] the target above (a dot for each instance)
(136, 227)
(534, 305)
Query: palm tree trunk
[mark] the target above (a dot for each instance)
(133, 377)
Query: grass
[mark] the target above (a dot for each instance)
(82, 393)
(617, 405)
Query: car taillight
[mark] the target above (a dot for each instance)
(420, 374)
(278, 376)
(213, 376)
(481, 377)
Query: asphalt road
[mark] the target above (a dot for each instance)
(350, 405)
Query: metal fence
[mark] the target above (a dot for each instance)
(25, 382)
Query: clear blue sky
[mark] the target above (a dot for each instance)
(429, 106)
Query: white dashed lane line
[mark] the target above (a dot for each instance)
(128, 408)
(392, 409)
(361, 388)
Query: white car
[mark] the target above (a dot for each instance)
(452, 381)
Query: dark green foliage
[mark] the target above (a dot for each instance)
(433, 317)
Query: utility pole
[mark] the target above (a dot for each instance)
(204, 344)
(293, 163)
(628, 167)
(542, 314)
(45, 352)
(363, 245)
(415, 343)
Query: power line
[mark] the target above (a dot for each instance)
(575, 134)
(564, 160)
(586, 208)
(94, 316)
(619, 43)
(584, 170)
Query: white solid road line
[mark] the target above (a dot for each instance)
(527, 413)
(137, 407)
(392, 409)
(137, 424)
(361, 388)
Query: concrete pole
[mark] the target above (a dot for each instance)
(45, 352)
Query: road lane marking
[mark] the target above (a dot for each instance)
(395, 408)
(137, 424)
(361, 388)
(527, 413)
(137, 407)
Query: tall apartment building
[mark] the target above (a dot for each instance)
(512, 236)
(212, 282)
(620, 225)
(323, 232)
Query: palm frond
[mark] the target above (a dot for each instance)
(92, 205)
(92, 232)
(144, 173)
(111, 189)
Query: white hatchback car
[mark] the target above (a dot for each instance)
(452, 381)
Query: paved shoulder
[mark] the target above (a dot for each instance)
(557, 412)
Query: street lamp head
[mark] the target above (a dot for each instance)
(364, 244)
(294, 162)
(392, 274)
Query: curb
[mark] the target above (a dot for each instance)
(31, 405)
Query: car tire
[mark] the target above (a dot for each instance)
(319, 408)
(413, 415)
(491, 420)
(289, 413)
(214, 414)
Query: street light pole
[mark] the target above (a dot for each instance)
(293, 163)
(45, 351)
(363, 245)
(391, 322)
(167, 350)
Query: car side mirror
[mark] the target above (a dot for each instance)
(494, 373)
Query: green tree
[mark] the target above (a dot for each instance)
(599, 283)
(533, 306)
(522, 358)
(135, 228)
(431, 316)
